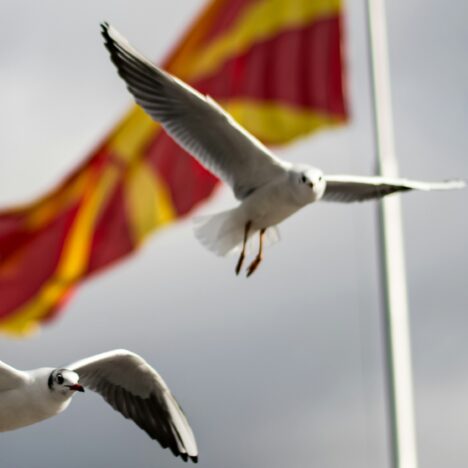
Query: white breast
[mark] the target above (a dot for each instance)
(271, 204)
(29, 403)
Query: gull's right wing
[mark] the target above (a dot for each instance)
(349, 188)
(132, 387)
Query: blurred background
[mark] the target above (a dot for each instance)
(286, 368)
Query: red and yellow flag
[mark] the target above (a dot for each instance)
(275, 65)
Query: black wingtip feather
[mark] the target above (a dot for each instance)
(185, 457)
(112, 47)
(108, 40)
(105, 28)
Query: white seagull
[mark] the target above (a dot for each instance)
(124, 379)
(269, 189)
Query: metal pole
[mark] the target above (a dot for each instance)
(396, 323)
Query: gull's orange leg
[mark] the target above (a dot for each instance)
(253, 266)
(244, 245)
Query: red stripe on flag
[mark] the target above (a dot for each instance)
(188, 182)
(112, 236)
(227, 15)
(12, 234)
(298, 67)
(33, 262)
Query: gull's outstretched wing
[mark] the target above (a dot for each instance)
(195, 121)
(10, 377)
(132, 387)
(347, 188)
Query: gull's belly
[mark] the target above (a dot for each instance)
(19, 409)
(270, 207)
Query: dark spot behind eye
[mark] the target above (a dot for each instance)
(303, 178)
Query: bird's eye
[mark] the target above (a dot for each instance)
(60, 379)
(320, 178)
(304, 178)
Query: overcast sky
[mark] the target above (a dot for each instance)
(286, 368)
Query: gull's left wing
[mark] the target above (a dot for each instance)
(196, 122)
(348, 188)
(132, 387)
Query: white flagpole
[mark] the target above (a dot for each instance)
(396, 322)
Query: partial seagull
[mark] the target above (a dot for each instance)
(124, 379)
(270, 190)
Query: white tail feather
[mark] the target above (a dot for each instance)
(223, 233)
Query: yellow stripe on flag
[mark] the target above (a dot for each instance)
(261, 21)
(148, 201)
(276, 123)
(78, 244)
(25, 320)
(132, 136)
(48, 208)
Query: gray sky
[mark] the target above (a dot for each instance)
(284, 369)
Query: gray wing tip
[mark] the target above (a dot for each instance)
(456, 183)
(447, 184)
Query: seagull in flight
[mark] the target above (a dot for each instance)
(269, 189)
(124, 379)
